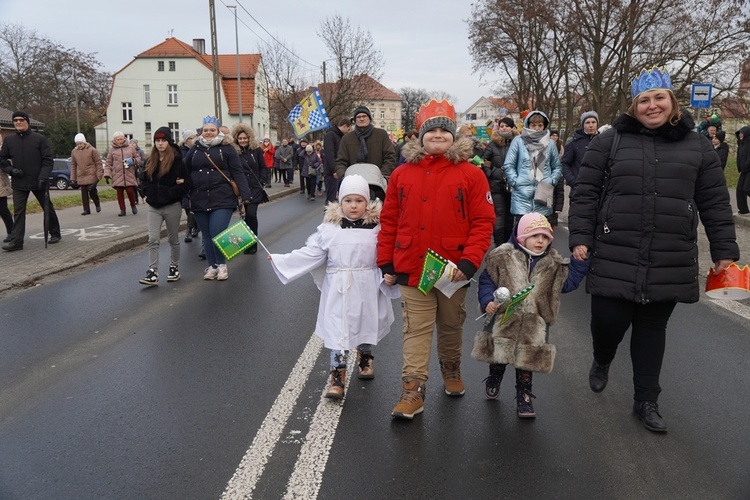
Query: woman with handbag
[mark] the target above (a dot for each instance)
(256, 172)
(219, 184)
(638, 195)
(532, 168)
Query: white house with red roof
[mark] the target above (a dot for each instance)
(171, 84)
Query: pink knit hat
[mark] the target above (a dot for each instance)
(531, 224)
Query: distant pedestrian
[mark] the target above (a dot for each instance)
(331, 144)
(743, 167)
(355, 310)
(257, 175)
(308, 170)
(121, 167)
(27, 157)
(721, 147)
(268, 153)
(365, 144)
(494, 157)
(286, 162)
(578, 145)
(164, 182)
(5, 191)
(86, 172)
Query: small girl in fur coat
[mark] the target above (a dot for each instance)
(355, 310)
(522, 340)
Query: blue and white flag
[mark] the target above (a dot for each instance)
(309, 115)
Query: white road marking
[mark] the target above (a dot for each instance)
(246, 477)
(307, 476)
(733, 306)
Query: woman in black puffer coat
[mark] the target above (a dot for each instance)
(642, 241)
(256, 173)
(494, 154)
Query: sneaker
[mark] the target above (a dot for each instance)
(451, 372)
(174, 274)
(492, 383)
(364, 365)
(211, 273)
(222, 273)
(648, 413)
(152, 278)
(336, 384)
(412, 400)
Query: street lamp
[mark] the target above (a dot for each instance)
(237, 44)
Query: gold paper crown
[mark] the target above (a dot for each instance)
(435, 109)
(541, 223)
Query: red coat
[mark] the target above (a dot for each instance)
(268, 154)
(438, 202)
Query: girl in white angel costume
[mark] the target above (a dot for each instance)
(355, 310)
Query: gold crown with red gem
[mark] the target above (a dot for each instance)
(436, 114)
(732, 283)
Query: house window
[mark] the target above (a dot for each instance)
(147, 95)
(172, 65)
(174, 127)
(160, 65)
(127, 111)
(382, 114)
(172, 95)
(147, 128)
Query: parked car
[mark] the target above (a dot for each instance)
(60, 176)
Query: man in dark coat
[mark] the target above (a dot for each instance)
(576, 148)
(365, 144)
(743, 167)
(331, 143)
(27, 157)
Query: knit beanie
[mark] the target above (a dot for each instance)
(22, 114)
(308, 149)
(354, 184)
(117, 134)
(79, 138)
(187, 134)
(589, 114)
(361, 109)
(531, 224)
(438, 122)
(508, 121)
(164, 133)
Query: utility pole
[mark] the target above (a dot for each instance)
(237, 43)
(215, 62)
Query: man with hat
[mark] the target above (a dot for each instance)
(436, 201)
(365, 144)
(27, 157)
(576, 148)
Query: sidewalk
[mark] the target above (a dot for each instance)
(91, 237)
(84, 239)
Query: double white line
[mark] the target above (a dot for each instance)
(307, 475)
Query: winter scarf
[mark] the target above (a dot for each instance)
(537, 142)
(363, 134)
(213, 142)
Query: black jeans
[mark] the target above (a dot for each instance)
(5, 214)
(611, 318)
(251, 216)
(743, 183)
(308, 183)
(19, 214)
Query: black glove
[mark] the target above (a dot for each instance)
(107, 179)
(17, 173)
(74, 184)
(42, 184)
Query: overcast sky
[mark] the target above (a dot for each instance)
(425, 45)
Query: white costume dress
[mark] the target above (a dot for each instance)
(355, 305)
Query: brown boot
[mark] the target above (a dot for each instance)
(451, 371)
(336, 384)
(364, 365)
(412, 400)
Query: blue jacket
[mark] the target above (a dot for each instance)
(520, 177)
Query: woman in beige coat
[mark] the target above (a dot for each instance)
(86, 171)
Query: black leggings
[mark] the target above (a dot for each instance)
(611, 318)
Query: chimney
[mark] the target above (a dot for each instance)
(199, 45)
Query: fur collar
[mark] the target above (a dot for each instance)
(334, 214)
(242, 127)
(461, 150)
(672, 133)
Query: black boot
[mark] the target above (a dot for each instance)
(648, 413)
(598, 376)
(492, 382)
(524, 395)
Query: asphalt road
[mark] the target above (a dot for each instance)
(195, 389)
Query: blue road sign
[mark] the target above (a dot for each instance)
(700, 95)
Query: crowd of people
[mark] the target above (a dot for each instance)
(633, 228)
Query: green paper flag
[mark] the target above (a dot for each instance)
(515, 301)
(235, 239)
(432, 270)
